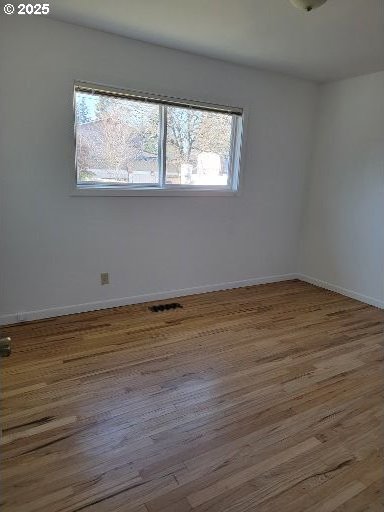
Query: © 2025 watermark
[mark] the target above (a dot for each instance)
(27, 9)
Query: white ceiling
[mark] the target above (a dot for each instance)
(342, 38)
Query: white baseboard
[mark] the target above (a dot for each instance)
(136, 299)
(343, 291)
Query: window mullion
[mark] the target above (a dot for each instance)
(232, 155)
(162, 145)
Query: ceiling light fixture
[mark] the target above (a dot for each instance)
(307, 5)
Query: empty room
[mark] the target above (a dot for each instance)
(192, 256)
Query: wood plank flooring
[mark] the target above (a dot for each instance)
(266, 398)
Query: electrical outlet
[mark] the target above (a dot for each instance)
(104, 278)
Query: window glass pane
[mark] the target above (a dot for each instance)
(116, 140)
(198, 147)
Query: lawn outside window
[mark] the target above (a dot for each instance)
(131, 143)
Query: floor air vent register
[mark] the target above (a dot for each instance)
(164, 307)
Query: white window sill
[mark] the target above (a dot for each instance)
(121, 192)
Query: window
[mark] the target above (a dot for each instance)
(128, 141)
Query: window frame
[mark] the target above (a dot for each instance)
(162, 188)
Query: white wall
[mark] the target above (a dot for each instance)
(343, 230)
(54, 246)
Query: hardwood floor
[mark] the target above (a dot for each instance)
(266, 398)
